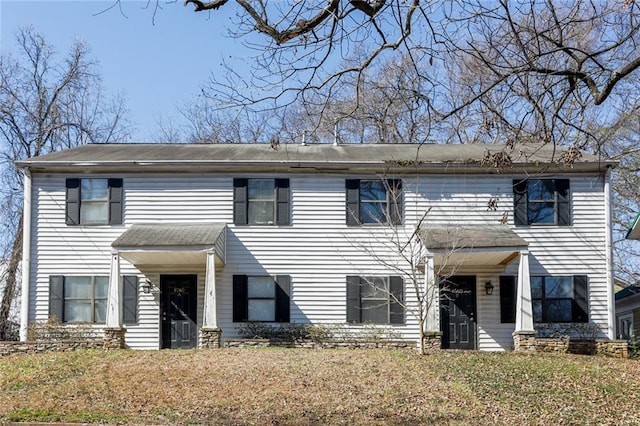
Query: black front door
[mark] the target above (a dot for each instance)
(458, 312)
(178, 305)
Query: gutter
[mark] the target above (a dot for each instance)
(26, 256)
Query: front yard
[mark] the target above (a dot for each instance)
(297, 386)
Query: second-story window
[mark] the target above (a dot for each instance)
(542, 202)
(94, 201)
(261, 202)
(374, 202)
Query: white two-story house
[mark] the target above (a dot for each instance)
(177, 245)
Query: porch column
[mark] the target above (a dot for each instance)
(210, 315)
(114, 316)
(431, 305)
(524, 334)
(210, 333)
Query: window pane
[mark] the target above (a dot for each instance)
(374, 287)
(373, 190)
(260, 287)
(78, 288)
(75, 311)
(536, 287)
(262, 310)
(540, 190)
(261, 212)
(537, 310)
(559, 310)
(94, 212)
(541, 212)
(100, 311)
(94, 189)
(558, 287)
(375, 311)
(102, 287)
(261, 189)
(373, 213)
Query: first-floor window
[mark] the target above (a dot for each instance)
(559, 298)
(375, 299)
(84, 299)
(261, 298)
(75, 299)
(625, 327)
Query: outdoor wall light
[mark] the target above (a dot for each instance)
(146, 286)
(488, 287)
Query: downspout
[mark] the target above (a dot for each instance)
(26, 255)
(611, 316)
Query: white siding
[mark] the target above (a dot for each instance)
(317, 250)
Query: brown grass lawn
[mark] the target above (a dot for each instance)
(297, 386)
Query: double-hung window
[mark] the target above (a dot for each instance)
(261, 201)
(74, 299)
(375, 300)
(559, 298)
(93, 201)
(555, 299)
(261, 298)
(374, 202)
(542, 202)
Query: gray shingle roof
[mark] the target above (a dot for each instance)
(170, 235)
(470, 236)
(290, 155)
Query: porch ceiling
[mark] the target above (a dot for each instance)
(171, 243)
(472, 245)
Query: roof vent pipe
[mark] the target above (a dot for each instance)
(304, 138)
(335, 134)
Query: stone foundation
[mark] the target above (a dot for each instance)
(432, 341)
(114, 338)
(524, 341)
(10, 348)
(210, 338)
(323, 344)
(614, 348)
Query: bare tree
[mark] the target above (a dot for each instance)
(46, 104)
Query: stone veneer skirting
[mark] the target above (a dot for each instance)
(526, 341)
(9, 348)
(614, 348)
(324, 344)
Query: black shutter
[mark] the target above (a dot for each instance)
(396, 300)
(508, 295)
(73, 202)
(282, 202)
(353, 299)
(564, 201)
(520, 202)
(283, 291)
(240, 201)
(115, 201)
(240, 303)
(396, 200)
(353, 201)
(580, 299)
(56, 297)
(130, 299)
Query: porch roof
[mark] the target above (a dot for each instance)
(171, 243)
(480, 245)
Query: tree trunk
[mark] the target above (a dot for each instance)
(10, 288)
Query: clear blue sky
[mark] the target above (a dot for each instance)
(157, 66)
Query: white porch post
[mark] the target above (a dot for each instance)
(114, 317)
(431, 296)
(524, 307)
(210, 319)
